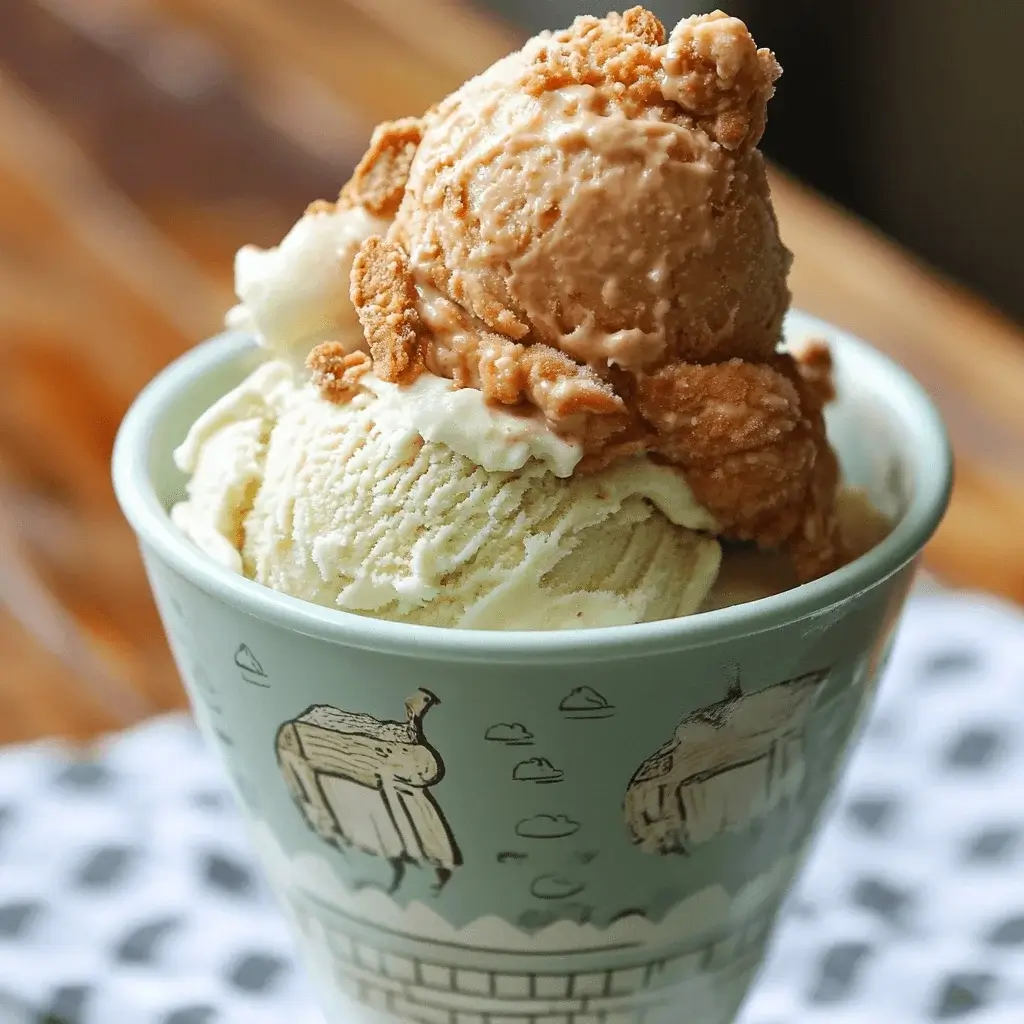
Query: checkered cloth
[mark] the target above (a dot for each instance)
(127, 894)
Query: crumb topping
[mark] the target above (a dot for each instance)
(385, 298)
(379, 179)
(336, 371)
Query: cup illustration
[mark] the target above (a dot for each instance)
(582, 826)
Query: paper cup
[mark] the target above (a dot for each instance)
(535, 828)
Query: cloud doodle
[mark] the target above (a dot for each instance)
(547, 826)
(555, 887)
(512, 734)
(585, 702)
(537, 769)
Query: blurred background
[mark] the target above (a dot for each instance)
(143, 141)
(906, 112)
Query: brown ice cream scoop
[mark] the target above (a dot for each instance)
(586, 229)
(578, 194)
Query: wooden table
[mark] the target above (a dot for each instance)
(142, 141)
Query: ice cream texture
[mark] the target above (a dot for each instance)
(347, 505)
(526, 370)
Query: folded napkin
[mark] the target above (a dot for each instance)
(128, 896)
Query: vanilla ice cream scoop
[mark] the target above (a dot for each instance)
(296, 294)
(346, 505)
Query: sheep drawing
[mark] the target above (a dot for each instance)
(726, 766)
(364, 783)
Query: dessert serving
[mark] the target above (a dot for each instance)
(528, 370)
(460, 535)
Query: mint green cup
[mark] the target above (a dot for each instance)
(571, 827)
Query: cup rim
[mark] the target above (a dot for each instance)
(156, 532)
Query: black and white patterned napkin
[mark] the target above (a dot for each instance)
(128, 896)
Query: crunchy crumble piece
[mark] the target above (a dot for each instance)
(751, 441)
(336, 373)
(714, 71)
(385, 299)
(614, 54)
(501, 369)
(379, 179)
(561, 388)
(644, 25)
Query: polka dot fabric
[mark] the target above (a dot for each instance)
(911, 906)
(127, 892)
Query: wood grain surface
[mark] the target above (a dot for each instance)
(143, 141)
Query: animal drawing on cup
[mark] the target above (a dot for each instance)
(726, 767)
(364, 783)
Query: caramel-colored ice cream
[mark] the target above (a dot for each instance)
(585, 230)
(572, 195)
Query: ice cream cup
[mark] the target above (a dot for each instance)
(525, 827)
